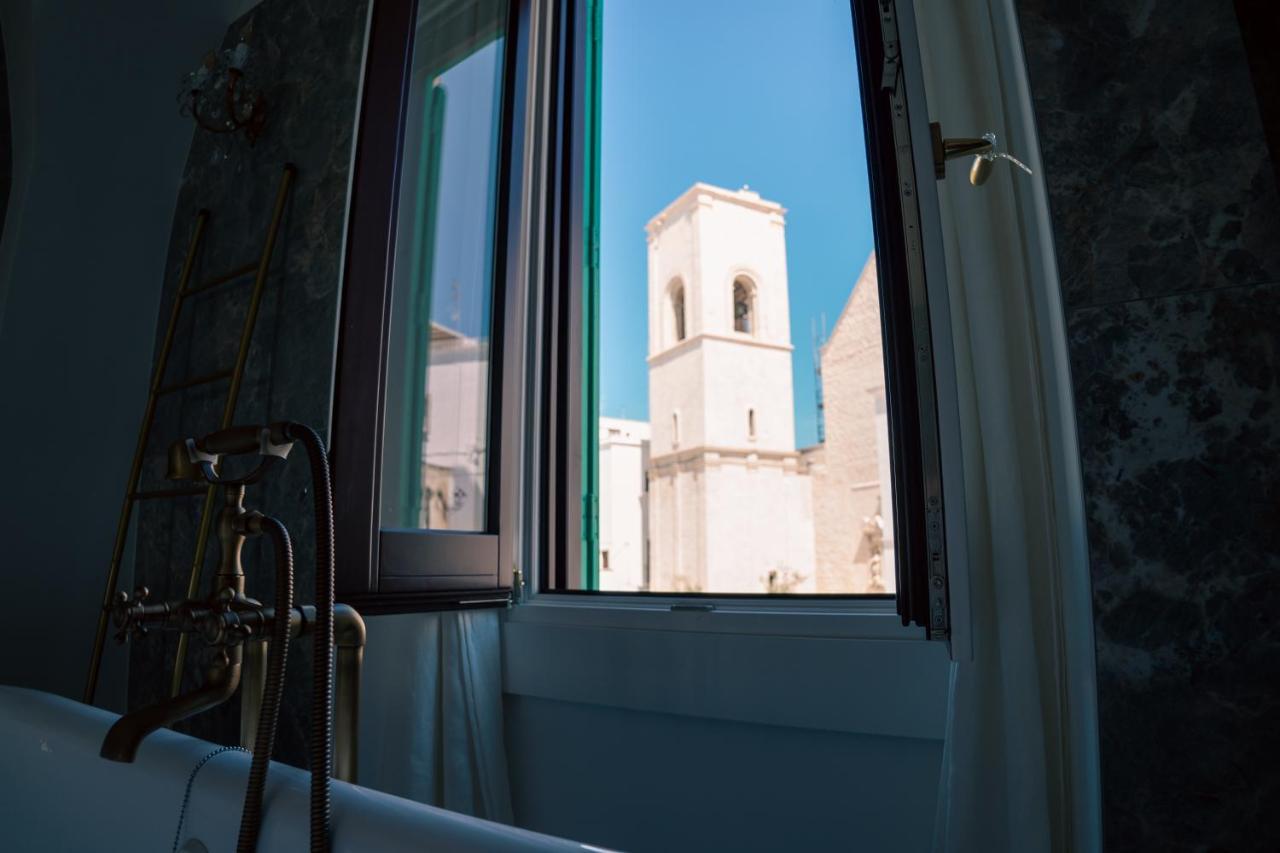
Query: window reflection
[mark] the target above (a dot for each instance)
(435, 449)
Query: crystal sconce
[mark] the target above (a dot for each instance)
(221, 95)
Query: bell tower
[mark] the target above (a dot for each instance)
(720, 396)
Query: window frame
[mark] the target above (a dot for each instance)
(543, 529)
(379, 569)
(907, 301)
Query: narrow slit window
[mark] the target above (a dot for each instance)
(677, 312)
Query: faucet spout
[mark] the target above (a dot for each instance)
(222, 678)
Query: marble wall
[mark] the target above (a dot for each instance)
(6, 141)
(307, 57)
(1167, 221)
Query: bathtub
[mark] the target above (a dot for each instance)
(57, 794)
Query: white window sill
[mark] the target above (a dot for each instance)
(852, 619)
(844, 667)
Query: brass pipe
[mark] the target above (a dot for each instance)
(229, 410)
(222, 677)
(135, 468)
(184, 384)
(253, 686)
(349, 637)
(238, 272)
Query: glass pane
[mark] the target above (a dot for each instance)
(743, 439)
(435, 445)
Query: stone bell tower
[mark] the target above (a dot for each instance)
(729, 502)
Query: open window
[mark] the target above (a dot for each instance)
(796, 173)
(591, 317)
(419, 423)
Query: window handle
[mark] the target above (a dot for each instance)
(983, 150)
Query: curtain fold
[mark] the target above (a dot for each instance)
(1019, 769)
(431, 726)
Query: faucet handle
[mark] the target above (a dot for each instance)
(127, 613)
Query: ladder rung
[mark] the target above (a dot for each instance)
(191, 491)
(238, 272)
(193, 381)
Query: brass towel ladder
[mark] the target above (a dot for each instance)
(157, 390)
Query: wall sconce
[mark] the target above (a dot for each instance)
(221, 96)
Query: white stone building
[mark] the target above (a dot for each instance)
(725, 501)
(624, 505)
(850, 469)
(711, 494)
(730, 504)
(454, 432)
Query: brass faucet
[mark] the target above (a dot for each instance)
(235, 626)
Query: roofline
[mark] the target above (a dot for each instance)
(868, 266)
(743, 198)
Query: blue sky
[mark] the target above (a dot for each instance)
(758, 92)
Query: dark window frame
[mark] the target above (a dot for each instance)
(390, 570)
(915, 471)
(387, 571)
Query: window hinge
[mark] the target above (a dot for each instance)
(892, 48)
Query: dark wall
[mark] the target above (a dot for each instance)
(6, 139)
(97, 158)
(307, 60)
(1167, 223)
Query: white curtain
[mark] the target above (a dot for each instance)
(1019, 769)
(431, 724)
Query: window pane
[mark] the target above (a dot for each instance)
(435, 448)
(743, 433)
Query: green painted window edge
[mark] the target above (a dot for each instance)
(591, 303)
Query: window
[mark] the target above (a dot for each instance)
(783, 513)
(540, 307)
(734, 508)
(741, 306)
(677, 311)
(421, 482)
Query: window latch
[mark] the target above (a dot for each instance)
(693, 607)
(983, 150)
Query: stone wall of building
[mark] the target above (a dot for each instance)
(850, 475)
(624, 500)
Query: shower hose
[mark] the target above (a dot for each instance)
(264, 739)
(322, 685)
(321, 747)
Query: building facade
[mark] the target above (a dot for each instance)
(730, 504)
(624, 505)
(713, 485)
(852, 497)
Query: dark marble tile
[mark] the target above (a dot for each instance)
(6, 139)
(1158, 171)
(308, 61)
(1178, 403)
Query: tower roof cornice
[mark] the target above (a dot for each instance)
(705, 193)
